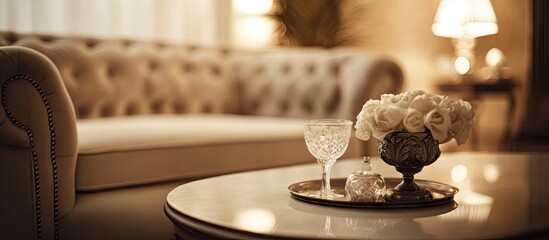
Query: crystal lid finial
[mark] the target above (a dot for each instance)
(366, 163)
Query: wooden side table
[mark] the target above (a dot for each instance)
(474, 90)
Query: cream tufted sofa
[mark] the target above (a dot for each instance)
(94, 133)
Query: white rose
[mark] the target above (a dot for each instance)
(443, 102)
(362, 126)
(438, 121)
(388, 98)
(410, 95)
(413, 121)
(440, 100)
(386, 118)
(423, 103)
(463, 120)
(414, 111)
(396, 99)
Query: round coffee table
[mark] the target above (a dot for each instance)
(258, 204)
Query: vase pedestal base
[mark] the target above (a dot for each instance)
(420, 195)
(409, 153)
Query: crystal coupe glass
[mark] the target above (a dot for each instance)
(327, 140)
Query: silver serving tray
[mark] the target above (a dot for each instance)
(304, 191)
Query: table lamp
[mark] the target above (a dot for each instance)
(463, 21)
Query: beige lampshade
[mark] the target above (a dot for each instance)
(465, 19)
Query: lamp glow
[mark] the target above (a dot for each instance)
(253, 31)
(459, 173)
(463, 21)
(491, 173)
(465, 18)
(462, 65)
(494, 58)
(255, 219)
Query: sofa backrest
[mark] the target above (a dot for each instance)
(113, 77)
(122, 77)
(313, 82)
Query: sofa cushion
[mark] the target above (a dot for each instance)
(125, 151)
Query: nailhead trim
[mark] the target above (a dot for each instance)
(36, 170)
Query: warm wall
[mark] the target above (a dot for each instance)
(402, 29)
(173, 21)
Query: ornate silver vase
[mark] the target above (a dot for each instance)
(409, 153)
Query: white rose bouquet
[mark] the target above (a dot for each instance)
(416, 111)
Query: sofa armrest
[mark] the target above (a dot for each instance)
(38, 146)
(313, 83)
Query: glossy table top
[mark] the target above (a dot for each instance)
(501, 195)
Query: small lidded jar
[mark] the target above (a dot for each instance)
(365, 185)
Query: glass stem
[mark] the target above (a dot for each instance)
(326, 190)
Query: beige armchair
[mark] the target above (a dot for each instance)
(38, 146)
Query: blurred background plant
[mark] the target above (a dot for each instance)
(320, 23)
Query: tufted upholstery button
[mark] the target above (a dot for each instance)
(153, 65)
(126, 43)
(91, 43)
(286, 69)
(259, 70)
(335, 69)
(283, 105)
(156, 107)
(161, 45)
(253, 105)
(76, 74)
(188, 67)
(10, 37)
(224, 52)
(112, 71)
(334, 99)
(132, 109)
(307, 105)
(180, 108)
(83, 112)
(311, 68)
(216, 69)
(45, 38)
(192, 48)
(107, 111)
(207, 108)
